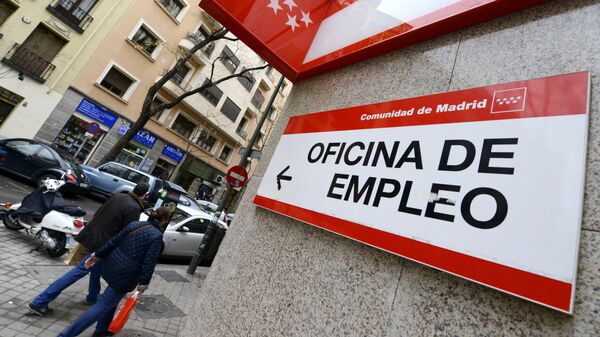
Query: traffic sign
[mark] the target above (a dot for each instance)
(237, 176)
(483, 183)
(93, 128)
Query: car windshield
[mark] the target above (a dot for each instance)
(179, 216)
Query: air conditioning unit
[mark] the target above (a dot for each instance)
(219, 179)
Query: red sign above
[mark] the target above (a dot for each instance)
(237, 176)
(304, 38)
(484, 183)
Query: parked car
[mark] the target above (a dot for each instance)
(37, 160)
(112, 177)
(185, 232)
(190, 202)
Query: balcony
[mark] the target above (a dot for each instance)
(26, 61)
(71, 14)
(196, 38)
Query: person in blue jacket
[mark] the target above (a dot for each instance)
(128, 261)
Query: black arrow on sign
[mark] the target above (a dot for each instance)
(281, 177)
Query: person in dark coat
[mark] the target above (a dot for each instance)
(128, 262)
(116, 213)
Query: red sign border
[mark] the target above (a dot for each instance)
(360, 51)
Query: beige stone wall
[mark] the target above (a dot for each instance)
(275, 276)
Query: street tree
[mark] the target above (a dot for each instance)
(149, 108)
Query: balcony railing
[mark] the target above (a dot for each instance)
(71, 14)
(26, 61)
(197, 38)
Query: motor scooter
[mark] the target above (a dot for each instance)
(46, 216)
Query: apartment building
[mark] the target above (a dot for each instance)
(43, 46)
(194, 143)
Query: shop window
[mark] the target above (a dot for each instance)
(163, 169)
(6, 10)
(225, 153)
(180, 75)
(146, 40)
(212, 94)
(206, 141)
(183, 126)
(73, 135)
(173, 7)
(117, 82)
(229, 60)
(230, 110)
(132, 155)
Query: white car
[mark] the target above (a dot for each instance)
(185, 231)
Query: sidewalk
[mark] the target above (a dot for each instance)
(23, 275)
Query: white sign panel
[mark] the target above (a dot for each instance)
(484, 183)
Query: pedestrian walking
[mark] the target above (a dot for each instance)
(116, 213)
(128, 262)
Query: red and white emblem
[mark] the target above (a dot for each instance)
(511, 100)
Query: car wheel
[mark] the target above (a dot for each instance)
(40, 179)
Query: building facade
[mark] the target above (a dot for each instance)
(275, 276)
(44, 45)
(195, 142)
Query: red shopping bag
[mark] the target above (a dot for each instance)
(122, 316)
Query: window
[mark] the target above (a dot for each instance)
(180, 74)
(225, 153)
(116, 82)
(282, 87)
(241, 129)
(183, 126)
(174, 7)
(272, 112)
(6, 9)
(230, 109)
(136, 177)
(75, 13)
(197, 226)
(206, 141)
(155, 102)
(146, 40)
(114, 169)
(34, 57)
(212, 94)
(258, 99)
(247, 80)
(229, 59)
(24, 146)
(46, 155)
(178, 216)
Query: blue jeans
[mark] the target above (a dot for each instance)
(102, 312)
(75, 274)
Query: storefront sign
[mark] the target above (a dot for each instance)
(483, 183)
(305, 38)
(173, 152)
(143, 137)
(97, 112)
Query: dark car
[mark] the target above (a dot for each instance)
(36, 161)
